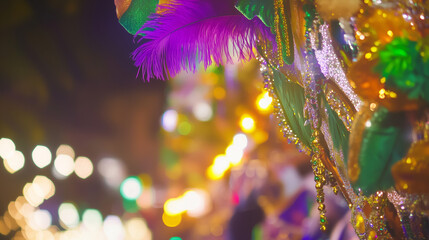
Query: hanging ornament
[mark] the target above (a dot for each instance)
(411, 173)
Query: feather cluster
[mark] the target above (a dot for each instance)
(185, 33)
(334, 9)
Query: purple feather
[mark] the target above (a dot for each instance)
(192, 31)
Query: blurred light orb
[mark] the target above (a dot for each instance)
(169, 120)
(43, 186)
(65, 149)
(136, 229)
(40, 220)
(247, 123)
(7, 148)
(64, 165)
(263, 101)
(14, 162)
(234, 154)
(112, 170)
(202, 111)
(33, 195)
(113, 229)
(69, 215)
(184, 128)
(83, 167)
(174, 206)
(171, 221)
(240, 140)
(92, 219)
(131, 188)
(197, 202)
(42, 156)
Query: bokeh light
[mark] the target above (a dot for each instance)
(113, 228)
(184, 128)
(92, 219)
(14, 162)
(112, 171)
(174, 206)
(42, 156)
(7, 148)
(64, 164)
(83, 167)
(240, 140)
(131, 188)
(68, 215)
(247, 123)
(40, 220)
(169, 120)
(65, 149)
(137, 229)
(43, 186)
(171, 221)
(263, 102)
(197, 202)
(202, 111)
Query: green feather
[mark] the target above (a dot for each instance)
(137, 14)
(264, 9)
(384, 143)
(339, 132)
(292, 100)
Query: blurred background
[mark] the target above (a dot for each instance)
(90, 151)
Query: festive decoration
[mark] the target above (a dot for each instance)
(353, 93)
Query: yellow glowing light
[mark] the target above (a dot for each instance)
(171, 221)
(247, 123)
(7, 148)
(42, 156)
(197, 202)
(174, 206)
(214, 174)
(219, 93)
(65, 149)
(390, 33)
(368, 55)
(64, 165)
(263, 102)
(14, 162)
(83, 167)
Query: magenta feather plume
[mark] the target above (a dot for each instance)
(189, 32)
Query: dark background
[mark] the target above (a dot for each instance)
(66, 78)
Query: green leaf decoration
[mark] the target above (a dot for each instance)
(264, 9)
(292, 100)
(137, 14)
(385, 142)
(339, 132)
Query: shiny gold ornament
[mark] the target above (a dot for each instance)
(411, 174)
